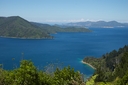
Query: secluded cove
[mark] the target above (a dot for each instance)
(65, 49)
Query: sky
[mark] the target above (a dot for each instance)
(65, 11)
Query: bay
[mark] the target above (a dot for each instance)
(66, 49)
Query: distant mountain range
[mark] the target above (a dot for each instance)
(99, 24)
(18, 27)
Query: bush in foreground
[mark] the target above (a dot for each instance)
(28, 74)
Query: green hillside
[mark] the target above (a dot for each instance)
(18, 27)
(111, 67)
(56, 28)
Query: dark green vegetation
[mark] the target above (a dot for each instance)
(111, 67)
(28, 74)
(18, 27)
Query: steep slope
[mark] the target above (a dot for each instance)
(16, 26)
(111, 65)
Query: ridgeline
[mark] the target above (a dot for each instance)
(17, 27)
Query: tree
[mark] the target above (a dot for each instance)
(25, 75)
(67, 76)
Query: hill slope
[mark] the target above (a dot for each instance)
(111, 66)
(18, 27)
(56, 28)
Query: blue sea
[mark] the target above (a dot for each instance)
(66, 49)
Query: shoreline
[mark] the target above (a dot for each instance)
(25, 38)
(88, 64)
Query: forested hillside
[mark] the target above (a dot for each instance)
(56, 28)
(111, 66)
(18, 27)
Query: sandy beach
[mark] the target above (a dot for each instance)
(88, 64)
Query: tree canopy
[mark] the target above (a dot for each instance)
(28, 74)
(111, 67)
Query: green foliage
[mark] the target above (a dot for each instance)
(123, 66)
(27, 74)
(45, 79)
(122, 70)
(95, 62)
(111, 66)
(2, 76)
(67, 76)
(116, 65)
(91, 81)
(124, 80)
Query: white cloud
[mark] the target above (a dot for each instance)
(72, 20)
(65, 21)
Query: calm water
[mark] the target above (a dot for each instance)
(66, 49)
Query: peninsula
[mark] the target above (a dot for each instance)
(88, 64)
